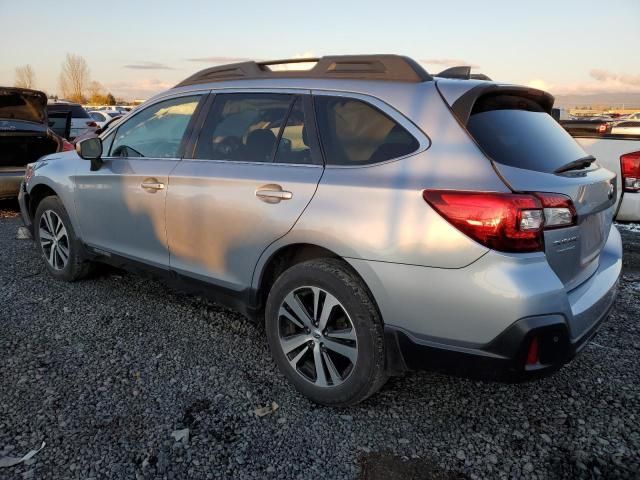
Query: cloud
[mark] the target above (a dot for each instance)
(219, 59)
(448, 62)
(138, 89)
(148, 66)
(602, 81)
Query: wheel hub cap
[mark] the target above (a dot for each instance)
(317, 336)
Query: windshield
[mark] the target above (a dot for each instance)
(21, 105)
(524, 138)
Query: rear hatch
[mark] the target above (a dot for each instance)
(533, 153)
(24, 136)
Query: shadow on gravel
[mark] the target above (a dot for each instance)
(384, 466)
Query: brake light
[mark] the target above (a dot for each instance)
(508, 222)
(630, 167)
(602, 128)
(92, 124)
(67, 146)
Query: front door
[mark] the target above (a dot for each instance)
(256, 166)
(121, 206)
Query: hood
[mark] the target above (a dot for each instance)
(23, 104)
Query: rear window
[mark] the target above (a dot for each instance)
(515, 131)
(76, 110)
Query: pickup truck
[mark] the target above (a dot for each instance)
(621, 155)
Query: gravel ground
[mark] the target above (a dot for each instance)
(106, 369)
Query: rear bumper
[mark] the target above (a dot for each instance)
(10, 182)
(629, 210)
(479, 321)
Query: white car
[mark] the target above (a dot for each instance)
(626, 127)
(634, 116)
(102, 117)
(81, 122)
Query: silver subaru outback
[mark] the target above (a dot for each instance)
(376, 218)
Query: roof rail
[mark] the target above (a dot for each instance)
(360, 67)
(461, 73)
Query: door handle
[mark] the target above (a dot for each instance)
(273, 193)
(152, 184)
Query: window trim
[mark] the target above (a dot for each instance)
(303, 93)
(185, 136)
(424, 142)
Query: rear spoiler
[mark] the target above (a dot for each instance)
(463, 106)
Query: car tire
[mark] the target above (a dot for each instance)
(63, 256)
(330, 338)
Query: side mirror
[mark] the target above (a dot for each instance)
(91, 149)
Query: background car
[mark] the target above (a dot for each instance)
(97, 132)
(626, 128)
(102, 117)
(25, 135)
(81, 122)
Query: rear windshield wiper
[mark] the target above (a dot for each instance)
(579, 164)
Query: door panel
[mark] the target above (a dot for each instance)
(121, 206)
(226, 206)
(217, 226)
(118, 214)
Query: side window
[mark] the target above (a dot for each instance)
(243, 127)
(106, 144)
(295, 145)
(97, 116)
(354, 132)
(156, 131)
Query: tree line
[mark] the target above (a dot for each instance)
(74, 82)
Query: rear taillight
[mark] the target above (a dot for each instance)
(558, 210)
(66, 146)
(630, 167)
(92, 124)
(508, 222)
(602, 128)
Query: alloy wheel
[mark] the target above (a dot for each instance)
(54, 239)
(317, 336)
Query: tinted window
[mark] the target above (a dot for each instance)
(156, 131)
(294, 145)
(243, 126)
(76, 110)
(515, 131)
(356, 133)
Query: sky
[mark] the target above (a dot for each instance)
(138, 48)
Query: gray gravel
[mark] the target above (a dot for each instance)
(106, 369)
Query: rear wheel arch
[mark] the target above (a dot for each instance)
(293, 254)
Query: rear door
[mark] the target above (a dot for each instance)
(533, 153)
(254, 168)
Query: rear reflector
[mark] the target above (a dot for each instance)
(507, 222)
(532, 353)
(630, 167)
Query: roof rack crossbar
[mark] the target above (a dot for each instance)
(360, 67)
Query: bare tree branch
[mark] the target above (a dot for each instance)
(25, 77)
(74, 78)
